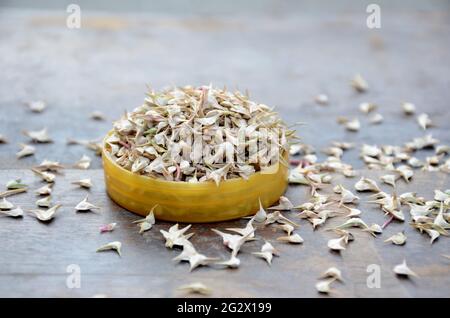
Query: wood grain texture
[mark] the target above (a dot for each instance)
(284, 57)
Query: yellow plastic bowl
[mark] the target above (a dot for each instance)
(193, 202)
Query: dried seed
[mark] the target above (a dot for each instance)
(196, 288)
(261, 215)
(247, 231)
(359, 84)
(403, 269)
(367, 107)
(176, 237)
(337, 244)
(26, 150)
(108, 227)
(46, 176)
(366, 184)
(323, 286)
(45, 190)
(397, 239)
(267, 252)
(279, 218)
(295, 239)
(83, 163)
(389, 179)
(433, 234)
(353, 222)
(332, 272)
(233, 241)
(8, 193)
(405, 172)
(17, 212)
(39, 135)
(353, 125)
(442, 150)
(439, 220)
(353, 211)
(408, 108)
(321, 99)
(195, 259)
(115, 246)
(84, 183)
(48, 165)
(284, 205)
(97, 115)
(37, 106)
(288, 228)
(84, 205)
(233, 262)
(347, 196)
(424, 121)
(15, 184)
(376, 119)
(46, 215)
(44, 202)
(6, 205)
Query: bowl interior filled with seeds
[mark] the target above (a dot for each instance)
(197, 154)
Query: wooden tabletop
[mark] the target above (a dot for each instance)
(284, 57)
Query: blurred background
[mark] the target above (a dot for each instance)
(283, 52)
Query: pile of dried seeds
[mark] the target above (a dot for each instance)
(197, 134)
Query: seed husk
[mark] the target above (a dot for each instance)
(403, 270)
(84, 183)
(366, 184)
(196, 288)
(322, 99)
(108, 227)
(267, 252)
(367, 107)
(45, 190)
(26, 150)
(283, 205)
(294, 239)
(45, 215)
(424, 121)
(37, 106)
(8, 193)
(233, 262)
(97, 115)
(332, 272)
(6, 205)
(84, 205)
(408, 108)
(17, 212)
(353, 125)
(397, 239)
(44, 175)
(376, 119)
(48, 165)
(148, 222)
(359, 84)
(44, 202)
(40, 136)
(389, 179)
(195, 259)
(15, 184)
(115, 246)
(84, 163)
(323, 286)
(176, 237)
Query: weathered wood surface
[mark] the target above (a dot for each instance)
(284, 58)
